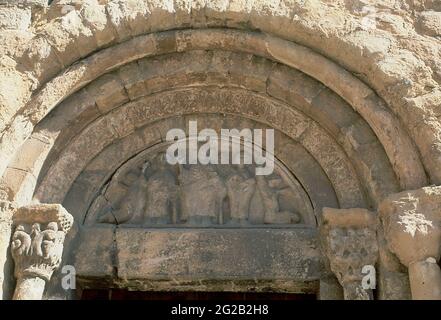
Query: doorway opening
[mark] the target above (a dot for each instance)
(122, 294)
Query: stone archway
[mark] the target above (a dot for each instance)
(108, 78)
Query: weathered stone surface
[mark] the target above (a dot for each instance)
(193, 259)
(355, 83)
(331, 159)
(430, 23)
(149, 191)
(196, 255)
(349, 241)
(119, 123)
(411, 224)
(108, 93)
(425, 279)
(393, 279)
(95, 255)
(37, 247)
(393, 286)
(16, 185)
(330, 289)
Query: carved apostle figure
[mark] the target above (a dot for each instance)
(130, 208)
(202, 194)
(240, 189)
(160, 193)
(271, 205)
(37, 238)
(52, 244)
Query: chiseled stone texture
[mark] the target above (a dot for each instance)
(430, 23)
(181, 259)
(380, 59)
(411, 222)
(393, 50)
(349, 241)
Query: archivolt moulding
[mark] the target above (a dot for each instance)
(396, 142)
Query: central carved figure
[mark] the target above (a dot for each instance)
(160, 193)
(202, 194)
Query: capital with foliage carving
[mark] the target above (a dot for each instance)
(37, 242)
(349, 242)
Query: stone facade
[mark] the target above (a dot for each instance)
(89, 90)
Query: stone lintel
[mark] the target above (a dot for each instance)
(204, 259)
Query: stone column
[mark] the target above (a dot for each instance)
(411, 222)
(393, 280)
(329, 287)
(349, 241)
(7, 210)
(37, 247)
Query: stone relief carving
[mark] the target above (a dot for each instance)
(37, 246)
(151, 192)
(37, 251)
(349, 241)
(412, 228)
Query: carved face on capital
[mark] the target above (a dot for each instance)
(52, 242)
(21, 241)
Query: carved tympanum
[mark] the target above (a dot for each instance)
(151, 192)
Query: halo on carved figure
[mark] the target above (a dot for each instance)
(149, 191)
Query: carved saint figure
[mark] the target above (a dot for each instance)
(271, 205)
(133, 204)
(160, 193)
(130, 208)
(151, 192)
(240, 190)
(202, 194)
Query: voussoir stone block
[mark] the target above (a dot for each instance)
(109, 92)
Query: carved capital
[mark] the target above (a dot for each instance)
(349, 241)
(38, 238)
(411, 223)
(412, 227)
